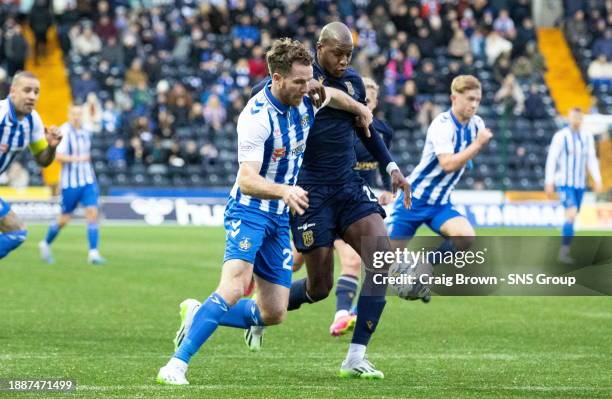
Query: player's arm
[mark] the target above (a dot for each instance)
(252, 136)
(340, 100)
(44, 141)
(552, 158)
(593, 165)
(451, 162)
(253, 184)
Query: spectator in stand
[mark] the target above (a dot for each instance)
(85, 42)
(40, 22)
(427, 78)
(92, 113)
(110, 117)
(116, 155)
(427, 113)
(214, 112)
(135, 75)
(84, 85)
(502, 68)
(510, 96)
(600, 71)
(603, 45)
(525, 34)
(577, 30)
(113, 52)
(496, 45)
(477, 44)
(4, 84)
(534, 105)
(257, 64)
(105, 29)
(190, 153)
(15, 49)
(504, 25)
(135, 154)
(459, 45)
(209, 153)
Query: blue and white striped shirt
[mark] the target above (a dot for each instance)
(569, 156)
(16, 135)
(275, 135)
(445, 135)
(77, 143)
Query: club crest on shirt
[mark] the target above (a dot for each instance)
(308, 238)
(305, 120)
(349, 88)
(245, 244)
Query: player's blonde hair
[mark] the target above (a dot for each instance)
(463, 83)
(369, 83)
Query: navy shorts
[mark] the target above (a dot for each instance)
(403, 223)
(85, 195)
(332, 209)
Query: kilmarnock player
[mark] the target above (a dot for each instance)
(571, 154)
(78, 185)
(21, 127)
(341, 204)
(350, 262)
(453, 139)
(272, 133)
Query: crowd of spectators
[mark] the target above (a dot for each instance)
(164, 81)
(588, 29)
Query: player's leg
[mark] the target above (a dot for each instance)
(235, 278)
(346, 288)
(372, 300)
(53, 231)
(319, 281)
(12, 230)
(314, 235)
(298, 258)
(89, 200)
(455, 228)
(70, 198)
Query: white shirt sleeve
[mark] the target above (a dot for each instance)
(554, 151)
(252, 135)
(38, 129)
(593, 163)
(441, 133)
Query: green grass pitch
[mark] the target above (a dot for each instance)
(110, 328)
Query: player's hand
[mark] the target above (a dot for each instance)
(598, 188)
(385, 198)
(550, 191)
(53, 136)
(484, 136)
(296, 198)
(316, 92)
(399, 181)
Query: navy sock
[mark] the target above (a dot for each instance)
(52, 233)
(369, 310)
(346, 289)
(568, 233)
(244, 314)
(205, 322)
(298, 295)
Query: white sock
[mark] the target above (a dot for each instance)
(341, 313)
(564, 250)
(355, 353)
(93, 253)
(178, 364)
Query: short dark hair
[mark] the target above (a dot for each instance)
(284, 53)
(23, 75)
